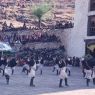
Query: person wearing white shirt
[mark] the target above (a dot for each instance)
(88, 75)
(32, 73)
(63, 74)
(8, 72)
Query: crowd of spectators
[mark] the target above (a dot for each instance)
(58, 25)
(15, 37)
(23, 39)
(64, 25)
(46, 54)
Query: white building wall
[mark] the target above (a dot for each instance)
(79, 33)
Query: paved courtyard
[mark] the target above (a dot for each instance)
(47, 84)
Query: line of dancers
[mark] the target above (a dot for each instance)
(62, 66)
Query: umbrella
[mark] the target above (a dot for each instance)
(5, 47)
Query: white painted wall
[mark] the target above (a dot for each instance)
(79, 33)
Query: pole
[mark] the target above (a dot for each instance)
(2, 53)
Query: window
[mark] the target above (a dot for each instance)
(91, 26)
(92, 5)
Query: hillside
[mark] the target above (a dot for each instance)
(18, 11)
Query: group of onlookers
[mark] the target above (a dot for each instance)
(63, 25)
(23, 39)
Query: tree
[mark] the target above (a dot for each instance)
(40, 11)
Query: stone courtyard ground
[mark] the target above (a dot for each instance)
(47, 84)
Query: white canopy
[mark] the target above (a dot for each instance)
(5, 47)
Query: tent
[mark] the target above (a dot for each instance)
(5, 47)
